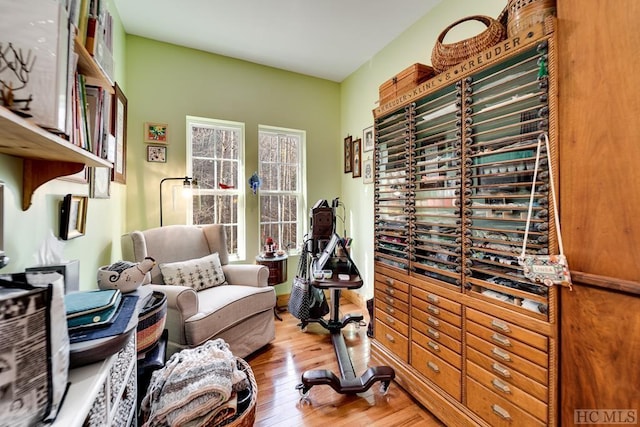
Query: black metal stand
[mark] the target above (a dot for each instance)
(348, 383)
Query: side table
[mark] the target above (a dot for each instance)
(277, 266)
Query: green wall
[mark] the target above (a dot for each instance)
(359, 95)
(168, 82)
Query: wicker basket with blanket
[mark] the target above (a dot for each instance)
(206, 386)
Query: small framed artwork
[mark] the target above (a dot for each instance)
(157, 153)
(119, 131)
(99, 183)
(357, 158)
(367, 171)
(348, 147)
(367, 137)
(73, 216)
(156, 133)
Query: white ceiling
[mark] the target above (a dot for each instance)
(329, 39)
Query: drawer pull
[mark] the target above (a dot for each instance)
(390, 291)
(390, 310)
(433, 309)
(389, 281)
(434, 346)
(433, 333)
(433, 299)
(501, 339)
(501, 354)
(433, 322)
(501, 386)
(390, 320)
(501, 370)
(433, 367)
(390, 338)
(500, 412)
(500, 325)
(389, 300)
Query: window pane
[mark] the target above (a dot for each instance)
(216, 163)
(281, 192)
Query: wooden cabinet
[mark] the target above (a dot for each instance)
(599, 208)
(454, 172)
(47, 156)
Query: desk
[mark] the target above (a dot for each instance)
(277, 266)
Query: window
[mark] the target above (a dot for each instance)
(215, 159)
(282, 201)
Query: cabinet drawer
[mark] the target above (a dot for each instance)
(438, 324)
(391, 283)
(392, 322)
(495, 410)
(508, 329)
(508, 343)
(439, 336)
(437, 300)
(503, 372)
(394, 341)
(508, 359)
(436, 312)
(438, 349)
(437, 370)
(508, 391)
(384, 291)
(394, 302)
(386, 309)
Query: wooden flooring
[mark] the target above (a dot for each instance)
(279, 366)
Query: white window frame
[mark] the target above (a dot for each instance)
(301, 226)
(192, 121)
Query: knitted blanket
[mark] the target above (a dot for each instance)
(194, 387)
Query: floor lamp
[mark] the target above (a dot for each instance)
(186, 185)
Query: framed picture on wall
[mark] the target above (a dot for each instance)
(367, 137)
(119, 131)
(156, 153)
(367, 171)
(348, 146)
(156, 133)
(357, 158)
(99, 183)
(73, 216)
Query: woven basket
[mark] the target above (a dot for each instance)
(151, 322)
(248, 417)
(523, 14)
(445, 56)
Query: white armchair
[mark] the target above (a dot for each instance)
(240, 312)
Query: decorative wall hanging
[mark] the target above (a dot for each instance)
(119, 131)
(73, 216)
(357, 158)
(367, 137)
(348, 147)
(156, 153)
(156, 133)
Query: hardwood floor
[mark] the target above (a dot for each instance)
(279, 366)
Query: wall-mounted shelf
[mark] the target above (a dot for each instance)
(46, 156)
(88, 67)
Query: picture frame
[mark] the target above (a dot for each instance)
(367, 171)
(73, 216)
(357, 158)
(99, 183)
(368, 139)
(119, 131)
(348, 147)
(157, 153)
(156, 133)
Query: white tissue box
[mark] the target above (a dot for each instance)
(70, 270)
